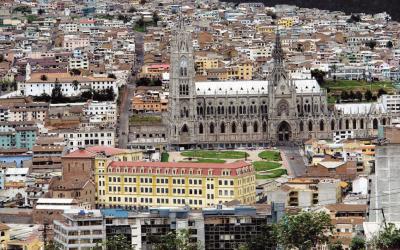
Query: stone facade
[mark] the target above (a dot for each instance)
(232, 114)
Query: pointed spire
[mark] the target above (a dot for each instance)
(181, 22)
(277, 53)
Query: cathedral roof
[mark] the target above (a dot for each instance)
(360, 108)
(251, 87)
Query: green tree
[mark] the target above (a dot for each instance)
(304, 230)
(75, 72)
(357, 243)
(368, 95)
(176, 241)
(156, 18)
(31, 18)
(387, 238)
(119, 242)
(52, 245)
(56, 93)
(344, 95)
(389, 44)
(318, 75)
(87, 95)
(333, 69)
(265, 240)
(75, 84)
(132, 10)
(352, 96)
(111, 75)
(43, 78)
(23, 9)
(337, 245)
(358, 96)
(381, 92)
(371, 44)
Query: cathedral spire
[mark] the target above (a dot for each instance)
(278, 71)
(277, 52)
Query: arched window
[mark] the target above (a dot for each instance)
(301, 126)
(201, 129)
(222, 128)
(229, 110)
(240, 110)
(362, 124)
(244, 127)
(244, 110)
(347, 124)
(333, 125)
(264, 127)
(310, 127)
(375, 124)
(208, 110)
(384, 121)
(233, 110)
(354, 124)
(233, 128)
(321, 125)
(183, 67)
(212, 128)
(255, 127)
(340, 124)
(185, 129)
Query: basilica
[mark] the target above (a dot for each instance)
(280, 110)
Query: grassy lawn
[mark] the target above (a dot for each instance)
(215, 154)
(144, 119)
(206, 160)
(265, 165)
(358, 85)
(270, 155)
(272, 174)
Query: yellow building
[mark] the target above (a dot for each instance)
(204, 63)
(24, 236)
(173, 184)
(241, 71)
(4, 235)
(286, 22)
(265, 29)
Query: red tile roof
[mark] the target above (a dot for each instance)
(80, 153)
(107, 150)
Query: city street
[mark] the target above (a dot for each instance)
(293, 160)
(127, 95)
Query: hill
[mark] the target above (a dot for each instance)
(349, 6)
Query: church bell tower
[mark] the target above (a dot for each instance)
(182, 88)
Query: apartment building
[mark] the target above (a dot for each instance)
(212, 228)
(17, 135)
(151, 101)
(103, 111)
(307, 192)
(175, 184)
(80, 230)
(87, 137)
(78, 62)
(391, 103)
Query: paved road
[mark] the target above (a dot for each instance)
(293, 160)
(123, 123)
